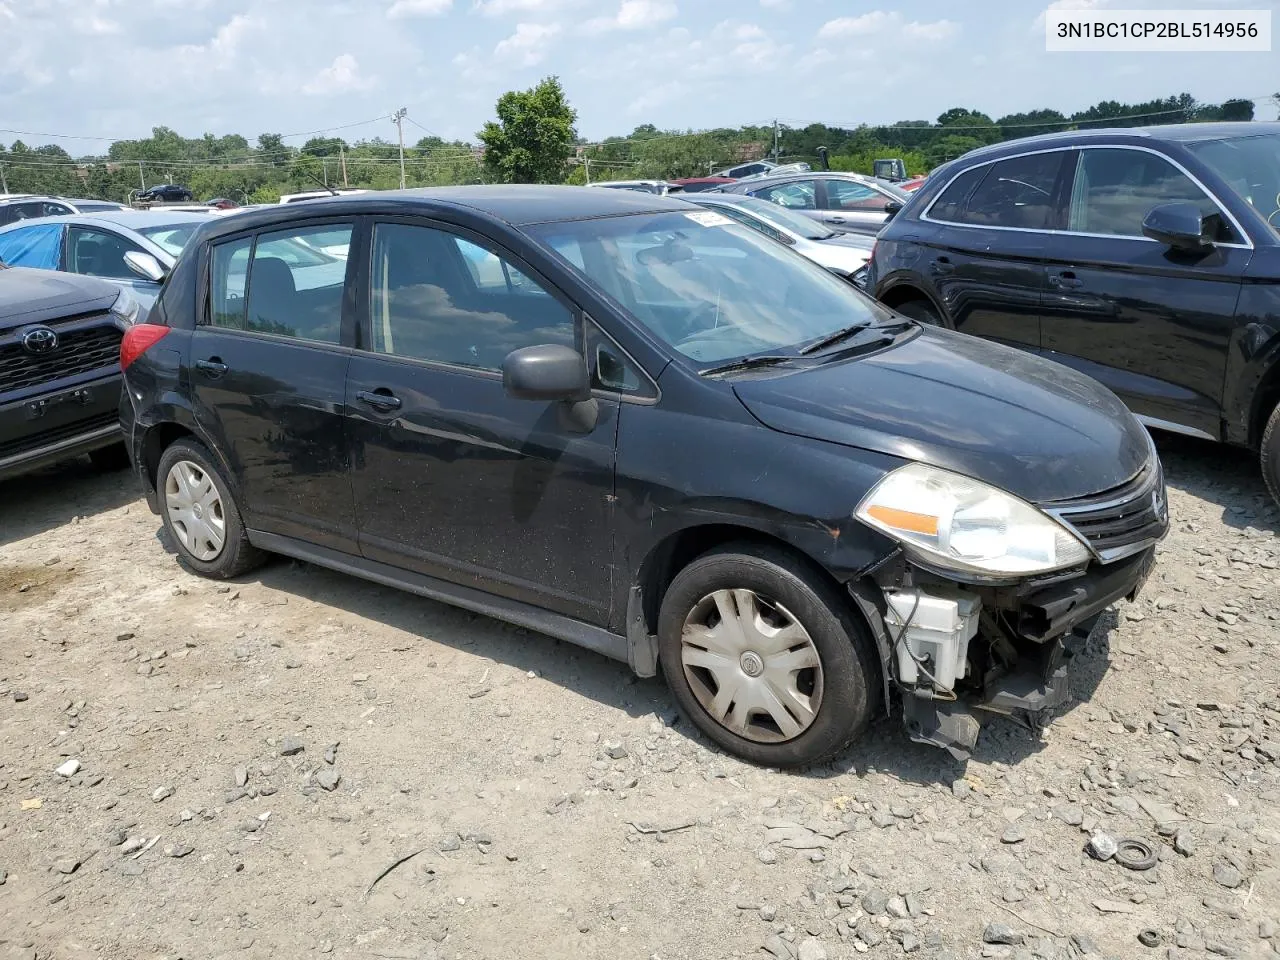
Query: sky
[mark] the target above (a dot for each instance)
(112, 69)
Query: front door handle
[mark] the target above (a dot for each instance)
(941, 265)
(835, 220)
(1066, 280)
(212, 368)
(381, 399)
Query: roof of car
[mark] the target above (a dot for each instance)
(131, 219)
(1179, 132)
(516, 204)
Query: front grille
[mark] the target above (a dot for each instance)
(65, 432)
(78, 351)
(1121, 520)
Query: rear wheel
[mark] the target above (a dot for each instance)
(201, 516)
(764, 658)
(922, 311)
(1270, 454)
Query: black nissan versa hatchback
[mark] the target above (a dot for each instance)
(631, 423)
(1147, 258)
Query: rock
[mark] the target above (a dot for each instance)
(903, 811)
(331, 754)
(132, 845)
(1187, 753)
(1102, 846)
(66, 865)
(161, 793)
(4, 877)
(1002, 933)
(291, 747)
(1227, 875)
(767, 912)
(1084, 945)
(1113, 906)
(1184, 842)
(960, 789)
(896, 907)
(177, 850)
(875, 901)
(450, 844)
(1069, 814)
(328, 779)
(910, 943)
(883, 819)
(116, 837)
(1013, 835)
(614, 749)
(778, 948)
(1266, 926)
(241, 775)
(69, 769)
(766, 855)
(19, 697)
(945, 838)
(869, 933)
(1220, 948)
(811, 949)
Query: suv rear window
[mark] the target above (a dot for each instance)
(1017, 192)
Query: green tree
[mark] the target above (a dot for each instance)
(1031, 124)
(533, 138)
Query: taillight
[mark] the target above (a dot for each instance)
(138, 339)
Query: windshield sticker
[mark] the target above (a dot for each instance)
(709, 218)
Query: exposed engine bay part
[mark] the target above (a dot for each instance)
(931, 631)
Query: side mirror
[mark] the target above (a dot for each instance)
(145, 265)
(892, 207)
(546, 372)
(1178, 225)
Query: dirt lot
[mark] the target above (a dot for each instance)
(240, 763)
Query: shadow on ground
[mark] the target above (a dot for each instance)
(34, 503)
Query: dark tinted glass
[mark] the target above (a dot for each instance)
(950, 206)
(96, 253)
(1017, 192)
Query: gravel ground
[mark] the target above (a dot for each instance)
(196, 770)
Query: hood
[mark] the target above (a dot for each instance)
(1034, 428)
(862, 241)
(40, 296)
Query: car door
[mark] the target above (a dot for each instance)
(802, 196)
(100, 253)
(850, 205)
(982, 243)
(1150, 322)
(452, 477)
(267, 367)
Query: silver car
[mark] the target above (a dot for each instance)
(28, 206)
(843, 201)
(132, 248)
(841, 253)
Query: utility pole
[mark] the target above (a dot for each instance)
(4, 184)
(342, 157)
(141, 179)
(324, 170)
(398, 119)
(775, 141)
(587, 162)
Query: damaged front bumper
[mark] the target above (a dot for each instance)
(1014, 661)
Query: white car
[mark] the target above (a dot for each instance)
(841, 253)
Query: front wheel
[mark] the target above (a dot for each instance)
(200, 514)
(1270, 454)
(763, 657)
(922, 311)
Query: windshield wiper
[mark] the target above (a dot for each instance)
(834, 337)
(747, 363)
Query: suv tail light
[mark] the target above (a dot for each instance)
(137, 340)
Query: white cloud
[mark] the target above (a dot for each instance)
(340, 76)
(403, 9)
(528, 45)
(635, 15)
(775, 4)
(879, 21)
(1037, 26)
(498, 8)
(92, 25)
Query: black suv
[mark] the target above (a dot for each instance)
(634, 424)
(60, 337)
(1147, 258)
(166, 193)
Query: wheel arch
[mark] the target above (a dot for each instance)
(895, 294)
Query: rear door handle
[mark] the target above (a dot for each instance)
(379, 399)
(212, 368)
(1065, 279)
(941, 265)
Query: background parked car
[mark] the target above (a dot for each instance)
(60, 368)
(843, 201)
(699, 184)
(221, 203)
(746, 169)
(103, 245)
(659, 187)
(841, 253)
(17, 206)
(1147, 258)
(164, 193)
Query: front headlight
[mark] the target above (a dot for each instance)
(962, 524)
(126, 306)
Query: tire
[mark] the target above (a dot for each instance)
(1270, 455)
(922, 311)
(110, 459)
(845, 682)
(190, 529)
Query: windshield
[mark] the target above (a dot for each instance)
(1251, 166)
(170, 237)
(780, 216)
(711, 288)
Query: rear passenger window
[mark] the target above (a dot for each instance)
(950, 206)
(1017, 192)
(227, 274)
(799, 195)
(1115, 189)
(35, 246)
(438, 297)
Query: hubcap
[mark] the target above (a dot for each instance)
(195, 510)
(752, 665)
